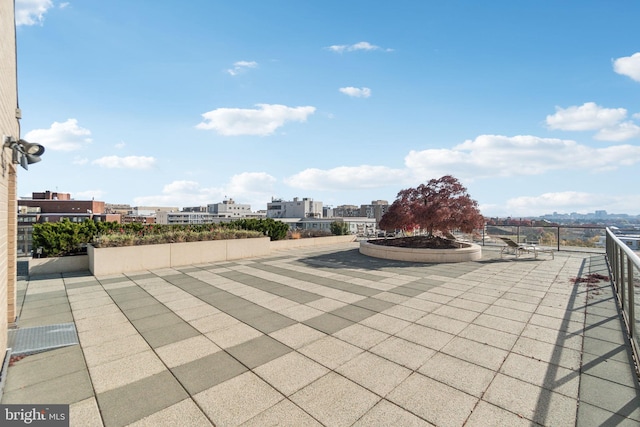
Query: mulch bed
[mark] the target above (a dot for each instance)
(420, 242)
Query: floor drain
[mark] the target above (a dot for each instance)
(25, 341)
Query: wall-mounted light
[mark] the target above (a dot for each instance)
(23, 153)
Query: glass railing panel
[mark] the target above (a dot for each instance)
(589, 239)
(585, 238)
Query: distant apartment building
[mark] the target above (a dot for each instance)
(185, 218)
(305, 208)
(117, 208)
(152, 210)
(140, 219)
(230, 209)
(61, 203)
(346, 211)
(195, 209)
(360, 226)
(376, 209)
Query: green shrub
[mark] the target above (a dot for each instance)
(69, 238)
(276, 230)
(339, 228)
(60, 238)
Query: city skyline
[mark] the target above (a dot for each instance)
(532, 106)
(598, 214)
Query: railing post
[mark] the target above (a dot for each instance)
(558, 238)
(622, 284)
(614, 266)
(632, 316)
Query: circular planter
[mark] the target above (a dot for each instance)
(471, 253)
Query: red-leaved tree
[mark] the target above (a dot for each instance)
(441, 205)
(396, 218)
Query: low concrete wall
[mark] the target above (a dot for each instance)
(248, 248)
(217, 250)
(314, 241)
(472, 253)
(107, 261)
(58, 264)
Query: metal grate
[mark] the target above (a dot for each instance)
(26, 341)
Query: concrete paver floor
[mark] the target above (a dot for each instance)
(327, 336)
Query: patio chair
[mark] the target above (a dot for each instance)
(517, 249)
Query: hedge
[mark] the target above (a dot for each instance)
(70, 238)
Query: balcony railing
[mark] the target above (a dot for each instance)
(558, 237)
(625, 271)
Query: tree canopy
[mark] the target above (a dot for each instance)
(441, 205)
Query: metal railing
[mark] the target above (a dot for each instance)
(558, 237)
(625, 272)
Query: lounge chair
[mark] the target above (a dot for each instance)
(517, 249)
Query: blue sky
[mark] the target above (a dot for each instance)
(532, 105)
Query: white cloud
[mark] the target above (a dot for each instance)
(254, 188)
(502, 156)
(261, 121)
(181, 187)
(241, 66)
(609, 122)
(620, 132)
(120, 145)
(89, 195)
(366, 46)
(31, 12)
(588, 116)
(251, 183)
(347, 178)
(128, 162)
(485, 157)
(628, 66)
(571, 201)
(355, 92)
(181, 194)
(67, 136)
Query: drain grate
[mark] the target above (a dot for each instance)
(37, 339)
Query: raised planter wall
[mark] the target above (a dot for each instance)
(217, 250)
(471, 253)
(106, 261)
(65, 264)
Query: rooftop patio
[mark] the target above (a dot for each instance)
(327, 336)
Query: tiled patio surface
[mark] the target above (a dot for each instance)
(327, 336)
